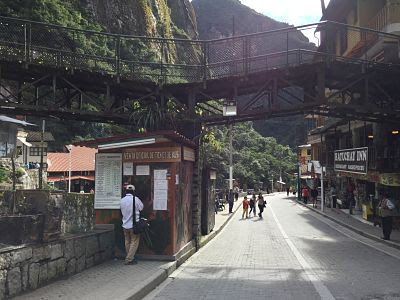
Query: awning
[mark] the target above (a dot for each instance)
(23, 141)
(66, 178)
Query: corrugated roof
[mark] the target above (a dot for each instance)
(36, 136)
(15, 121)
(169, 134)
(82, 159)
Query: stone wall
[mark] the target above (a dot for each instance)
(62, 213)
(78, 213)
(25, 268)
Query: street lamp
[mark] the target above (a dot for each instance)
(230, 110)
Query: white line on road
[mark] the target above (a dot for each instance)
(322, 290)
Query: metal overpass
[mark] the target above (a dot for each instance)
(49, 70)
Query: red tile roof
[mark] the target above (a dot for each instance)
(61, 178)
(82, 159)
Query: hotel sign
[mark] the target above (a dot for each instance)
(147, 155)
(352, 160)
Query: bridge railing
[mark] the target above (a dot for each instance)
(167, 60)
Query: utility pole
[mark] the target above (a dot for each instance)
(69, 147)
(272, 184)
(230, 156)
(41, 156)
(322, 188)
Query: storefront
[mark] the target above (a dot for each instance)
(160, 166)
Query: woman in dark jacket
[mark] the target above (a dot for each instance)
(261, 204)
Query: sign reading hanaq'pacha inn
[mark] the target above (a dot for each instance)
(352, 160)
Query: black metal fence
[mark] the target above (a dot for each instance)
(177, 60)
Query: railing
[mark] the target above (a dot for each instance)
(389, 14)
(168, 60)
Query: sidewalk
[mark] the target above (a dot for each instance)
(354, 223)
(114, 280)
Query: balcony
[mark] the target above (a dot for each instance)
(388, 15)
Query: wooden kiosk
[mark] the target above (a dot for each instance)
(160, 166)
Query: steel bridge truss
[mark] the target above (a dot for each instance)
(48, 70)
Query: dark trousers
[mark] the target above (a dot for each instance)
(261, 208)
(334, 201)
(230, 206)
(387, 224)
(252, 209)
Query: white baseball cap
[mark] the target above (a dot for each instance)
(130, 187)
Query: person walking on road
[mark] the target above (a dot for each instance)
(130, 208)
(245, 208)
(287, 191)
(230, 199)
(253, 201)
(261, 205)
(386, 210)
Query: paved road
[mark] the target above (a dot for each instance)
(290, 254)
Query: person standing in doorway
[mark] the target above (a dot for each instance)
(130, 208)
(334, 196)
(261, 205)
(350, 197)
(387, 210)
(230, 200)
(245, 208)
(253, 201)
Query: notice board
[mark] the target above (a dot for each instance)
(108, 181)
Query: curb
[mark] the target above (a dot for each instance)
(213, 234)
(356, 230)
(152, 282)
(161, 275)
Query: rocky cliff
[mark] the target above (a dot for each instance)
(134, 17)
(223, 18)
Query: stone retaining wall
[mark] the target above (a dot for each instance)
(25, 268)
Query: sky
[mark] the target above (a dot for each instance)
(294, 12)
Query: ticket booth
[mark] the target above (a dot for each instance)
(160, 166)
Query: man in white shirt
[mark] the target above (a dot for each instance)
(131, 239)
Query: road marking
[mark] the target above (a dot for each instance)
(322, 290)
(393, 252)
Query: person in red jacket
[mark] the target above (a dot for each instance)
(305, 193)
(245, 208)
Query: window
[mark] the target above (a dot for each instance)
(36, 151)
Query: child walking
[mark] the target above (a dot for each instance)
(245, 208)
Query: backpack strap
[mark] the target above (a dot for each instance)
(134, 210)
